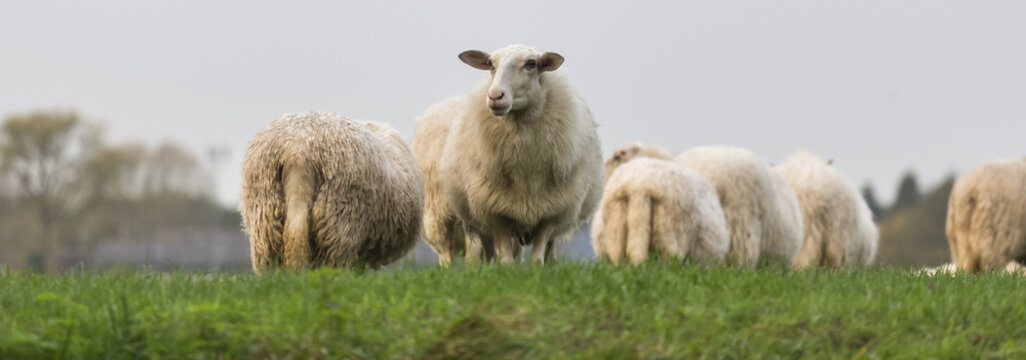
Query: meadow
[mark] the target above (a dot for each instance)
(585, 310)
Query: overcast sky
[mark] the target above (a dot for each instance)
(879, 86)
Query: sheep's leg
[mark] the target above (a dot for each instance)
(488, 247)
(299, 184)
(812, 248)
(968, 261)
(265, 236)
(474, 246)
(552, 251)
(260, 251)
(515, 243)
(539, 249)
(505, 249)
(833, 255)
(258, 258)
(985, 246)
(968, 230)
(541, 241)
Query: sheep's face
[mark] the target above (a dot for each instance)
(516, 75)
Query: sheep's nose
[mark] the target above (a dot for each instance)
(501, 95)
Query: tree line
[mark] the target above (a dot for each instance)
(64, 188)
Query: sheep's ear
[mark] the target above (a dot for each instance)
(477, 59)
(549, 61)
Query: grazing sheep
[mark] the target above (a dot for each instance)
(986, 224)
(838, 224)
(518, 157)
(321, 189)
(762, 217)
(654, 204)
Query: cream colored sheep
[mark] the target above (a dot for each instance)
(442, 230)
(321, 189)
(761, 223)
(838, 225)
(650, 204)
(517, 158)
(986, 223)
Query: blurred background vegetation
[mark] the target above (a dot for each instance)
(66, 192)
(912, 226)
(70, 198)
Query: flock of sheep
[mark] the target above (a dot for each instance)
(712, 203)
(517, 163)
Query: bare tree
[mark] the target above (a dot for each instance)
(63, 190)
(170, 169)
(39, 152)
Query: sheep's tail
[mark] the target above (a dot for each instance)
(639, 227)
(299, 181)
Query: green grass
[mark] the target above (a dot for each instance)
(569, 310)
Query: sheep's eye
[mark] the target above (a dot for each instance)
(530, 65)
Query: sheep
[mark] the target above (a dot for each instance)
(761, 212)
(838, 225)
(653, 203)
(320, 189)
(986, 223)
(518, 157)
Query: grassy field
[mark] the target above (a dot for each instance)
(569, 310)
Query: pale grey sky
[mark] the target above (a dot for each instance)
(879, 86)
